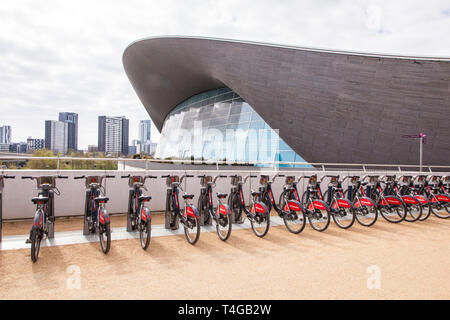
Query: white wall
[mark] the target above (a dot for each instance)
(17, 193)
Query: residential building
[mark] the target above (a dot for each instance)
(56, 136)
(71, 119)
(113, 135)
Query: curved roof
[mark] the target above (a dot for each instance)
(330, 106)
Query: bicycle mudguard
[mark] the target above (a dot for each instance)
(441, 198)
(38, 219)
(294, 205)
(145, 214)
(410, 200)
(224, 209)
(364, 201)
(422, 199)
(104, 216)
(391, 200)
(192, 212)
(318, 204)
(342, 203)
(260, 208)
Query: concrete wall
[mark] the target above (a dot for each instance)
(17, 193)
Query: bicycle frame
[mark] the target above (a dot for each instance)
(255, 206)
(173, 204)
(2, 184)
(336, 199)
(358, 201)
(93, 213)
(314, 198)
(207, 189)
(137, 208)
(267, 193)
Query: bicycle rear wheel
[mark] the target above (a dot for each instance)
(35, 238)
(104, 234)
(145, 232)
(192, 230)
(224, 226)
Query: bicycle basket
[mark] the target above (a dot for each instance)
(264, 180)
(334, 179)
(172, 179)
(406, 179)
(289, 180)
(373, 179)
(135, 179)
(46, 180)
(390, 178)
(421, 179)
(91, 180)
(236, 180)
(205, 180)
(354, 179)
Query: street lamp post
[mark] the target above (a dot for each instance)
(422, 139)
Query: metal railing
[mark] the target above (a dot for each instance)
(295, 165)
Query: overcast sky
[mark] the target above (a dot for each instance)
(67, 55)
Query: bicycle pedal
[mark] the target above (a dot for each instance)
(28, 241)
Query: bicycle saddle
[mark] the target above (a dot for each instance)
(145, 198)
(188, 196)
(35, 200)
(222, 195)
(101, 199)
(256, 193)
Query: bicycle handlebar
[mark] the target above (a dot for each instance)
(80, 177)
(123, 177)
(7, 177)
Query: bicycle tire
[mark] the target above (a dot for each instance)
(364, 211)
(266, 217)
(35, 237)
(105, 243)
(385, 213)
(145, 232)
(426, 212)
(337, 221)
(323, 213)
(410, 208)
(195, 227)
(227, 221)
(437, 213)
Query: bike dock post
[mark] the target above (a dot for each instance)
(51, 222)
(130, 210)
(167, 216)
(86, 208)
(1, 208)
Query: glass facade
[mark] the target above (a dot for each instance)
(220, 125)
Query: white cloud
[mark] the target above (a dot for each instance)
(67, 55)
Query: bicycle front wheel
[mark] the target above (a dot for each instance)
(366, 215)
(192, 230)
(145, 232)
(260, 224)
(224, 226)
(104, 233)
(426, 212)
(442, 210)
(35, 238)
(393, 213)
(414, 212)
